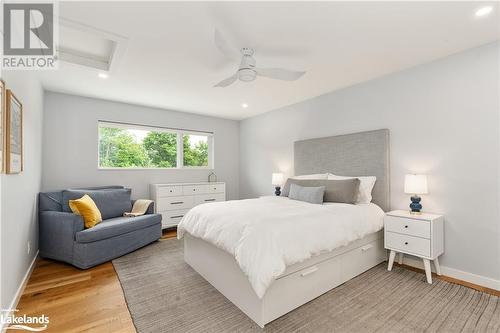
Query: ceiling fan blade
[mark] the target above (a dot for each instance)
(227, 82)
(224, 47)
(280, 74)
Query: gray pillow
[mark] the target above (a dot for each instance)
(312, 195)
(302, 182)
(336, 190)
(341, 191)
(111, 202)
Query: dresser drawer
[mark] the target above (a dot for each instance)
(194, 189)
(169, 191)
(175, 203)
(206, 198)
(217, 188)
(408, 244)
(407, 226)
(173, 217)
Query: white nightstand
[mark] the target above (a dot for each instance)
(417, 235)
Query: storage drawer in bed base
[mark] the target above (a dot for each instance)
(298, 285)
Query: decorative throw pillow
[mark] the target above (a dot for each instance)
(312, 195)
(87, 209)
(342, 191)
(365, 187)
(314, 182)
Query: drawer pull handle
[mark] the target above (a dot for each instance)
(366, 248)
(309, 271)
(406, 243)
(176, 217)
(177, 202)
(194, 189)
(406, 226)
(209, 199)
(170, 191)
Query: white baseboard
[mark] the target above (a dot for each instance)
(457, 274)
(20, 290)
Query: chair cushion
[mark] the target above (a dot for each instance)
(117, 226)
(111, 202)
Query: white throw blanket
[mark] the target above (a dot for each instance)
(268, 234)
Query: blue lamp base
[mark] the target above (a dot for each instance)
(415, 205)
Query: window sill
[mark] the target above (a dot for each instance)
(153, 169)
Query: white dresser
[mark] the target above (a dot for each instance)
(417, 235)
(172, 201)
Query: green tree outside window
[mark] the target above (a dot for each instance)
(123, 148)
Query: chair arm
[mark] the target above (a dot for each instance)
(57, 233)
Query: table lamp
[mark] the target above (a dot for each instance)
(414, 185)
(277, 181)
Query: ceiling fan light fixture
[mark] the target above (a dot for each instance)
(246, 74)
(247, 70)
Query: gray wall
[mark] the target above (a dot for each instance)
(19, 192)
(444, 122)
(71, 145)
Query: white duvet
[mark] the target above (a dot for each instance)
(268, 234)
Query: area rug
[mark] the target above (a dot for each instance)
(164, 294)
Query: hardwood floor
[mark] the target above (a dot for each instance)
(78, 300)
(92, 300)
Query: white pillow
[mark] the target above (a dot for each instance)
(312, 176)
(366, 185)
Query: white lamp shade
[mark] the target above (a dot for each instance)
(416, 184)
(277, 179)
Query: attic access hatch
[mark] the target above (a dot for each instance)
(87, 46)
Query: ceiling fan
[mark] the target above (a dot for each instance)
(247, 71)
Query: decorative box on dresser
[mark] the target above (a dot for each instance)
(172, 201)
(419, 235)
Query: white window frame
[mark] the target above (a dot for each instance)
(180, 146)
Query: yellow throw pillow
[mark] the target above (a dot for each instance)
(87, 208)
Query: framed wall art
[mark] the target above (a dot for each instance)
(2, 125)
(13, 134)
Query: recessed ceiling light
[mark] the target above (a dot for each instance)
(103, 75)
(484, 11)
(244, 105)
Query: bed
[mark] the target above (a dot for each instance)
(282, 274)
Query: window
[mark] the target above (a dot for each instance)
(195, 150)
(137, 146)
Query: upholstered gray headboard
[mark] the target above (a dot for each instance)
(356, 154)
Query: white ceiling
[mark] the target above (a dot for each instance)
(170, 60)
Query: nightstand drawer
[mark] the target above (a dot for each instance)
(407, 226)
(408, 244)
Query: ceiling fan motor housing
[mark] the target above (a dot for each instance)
(246, 72)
